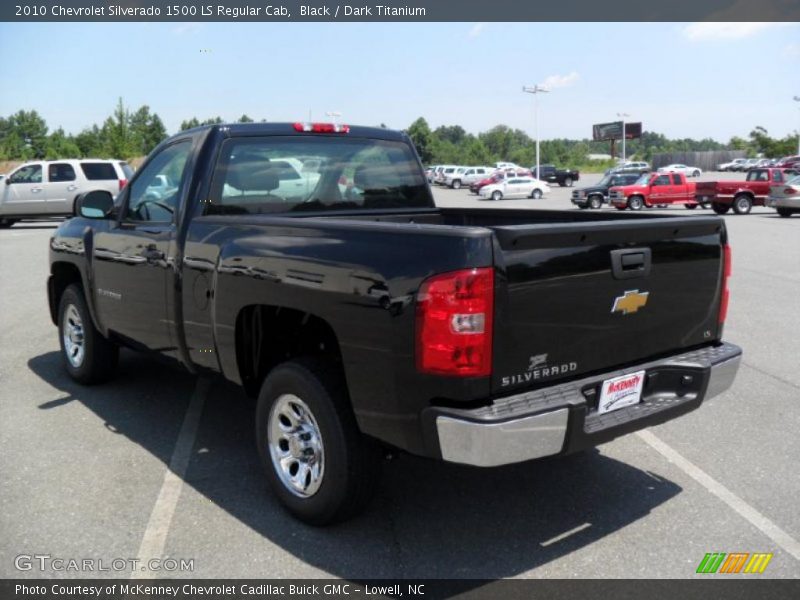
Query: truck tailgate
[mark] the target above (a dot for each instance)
(578, 298)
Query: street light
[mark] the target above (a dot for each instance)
(622, 116)
(797, 99)
(535, 90)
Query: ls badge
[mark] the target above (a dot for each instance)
(630, 302)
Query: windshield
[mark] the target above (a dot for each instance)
(643, 180)
(266, 175)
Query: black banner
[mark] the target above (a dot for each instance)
(400, 10)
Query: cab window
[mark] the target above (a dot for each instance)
(661, 180)
(676, 179)
(27, 174)
(153, 195)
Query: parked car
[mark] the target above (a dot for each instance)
(748, 164)
(732, 165)
(785, 197)
(429, 172)
(443, 172)
(679, 168)
(595, 196)
(482, 337)
(789, 162)
(563, 177)
(654, 189)
(498, 176)
(506, 165)
(515, 187)
(451, 175)
(742, 195)
(468, 176)
(41, 189)
(638, 167)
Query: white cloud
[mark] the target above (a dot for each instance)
(710, 31)
(476, 30)
(560, 81)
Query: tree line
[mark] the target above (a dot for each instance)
(452, 144)
(130, 133)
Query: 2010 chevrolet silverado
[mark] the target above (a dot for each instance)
(363, 317)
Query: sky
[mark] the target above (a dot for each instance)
(694, 80)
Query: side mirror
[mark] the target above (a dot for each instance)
(98, 204)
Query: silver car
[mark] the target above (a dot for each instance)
(785, 197)
(48, 188)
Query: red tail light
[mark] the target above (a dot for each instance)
(122, 184)
(789, 191)
(321, 128)
(454, 323)
(726, 273)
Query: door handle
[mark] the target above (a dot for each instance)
(72, 188)
(36, 190)
(631, 263)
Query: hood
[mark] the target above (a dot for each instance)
(629, 188)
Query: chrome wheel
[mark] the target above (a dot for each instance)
(295, 446)
(74, 345)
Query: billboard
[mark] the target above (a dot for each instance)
(613, 131)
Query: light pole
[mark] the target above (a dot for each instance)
(622, 116)
(797, 99)
(535, 90)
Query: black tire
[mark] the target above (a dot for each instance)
(635, 203)
(690, 206)
(6, 223)
(720, 209)
(536, 194)
(352, 462)
(568, 181)
(785, 212)
(742, 204)
(456, 184)
(595, 202)
(497, 195)
(696, 174)
(99, 356)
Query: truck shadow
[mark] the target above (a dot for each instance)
(428, 520)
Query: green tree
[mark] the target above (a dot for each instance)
(420, 134)
(147, 130)
(61, 145)
(24, 135)
(118, 139)
(245, 119)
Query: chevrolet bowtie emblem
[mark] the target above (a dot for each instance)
(630, 302)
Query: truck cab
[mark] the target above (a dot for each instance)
(742, 196)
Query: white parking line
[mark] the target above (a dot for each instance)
(155, 535)
(755, 518)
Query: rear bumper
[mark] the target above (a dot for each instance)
(562, 419)
(792, 202)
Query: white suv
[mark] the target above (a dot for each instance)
(48, 188)
(466, 175)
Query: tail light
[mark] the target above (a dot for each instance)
(122, 184)
(726, 273)
(454, 323)
(789, 191)
(321, 128)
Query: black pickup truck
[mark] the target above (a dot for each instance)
(596, 195)
(550, 174)
(309, 264)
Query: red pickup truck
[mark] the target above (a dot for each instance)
(742, 195)
(654, 189)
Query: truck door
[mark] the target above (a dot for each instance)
(24, 192)
(660, 190)
(132, 257)
(61, 188)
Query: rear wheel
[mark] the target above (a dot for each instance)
(690, 206)
(456, 184)
(536, 194)
(720, 209)
(696, 174)
(635, 203)
(784, 212)
(6, 223)
(595, 202)
(88, 357)
(318, 463)
(568, 181)
(497, 195)
(742, 204)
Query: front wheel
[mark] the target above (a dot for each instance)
(690, 206)
(742, 204)
(536, 194)
(720, 209)
(595, 202)
(318, 463)
(87, 356)
(497, 195)
(696, 174)
(456, 184)
(635, 203)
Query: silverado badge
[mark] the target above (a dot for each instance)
(630, 302)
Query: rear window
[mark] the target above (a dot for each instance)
(264, 175)
(758, 175)
(96, 171)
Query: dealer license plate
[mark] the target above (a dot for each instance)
(621, 392)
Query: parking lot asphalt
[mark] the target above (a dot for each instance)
(85, 472)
